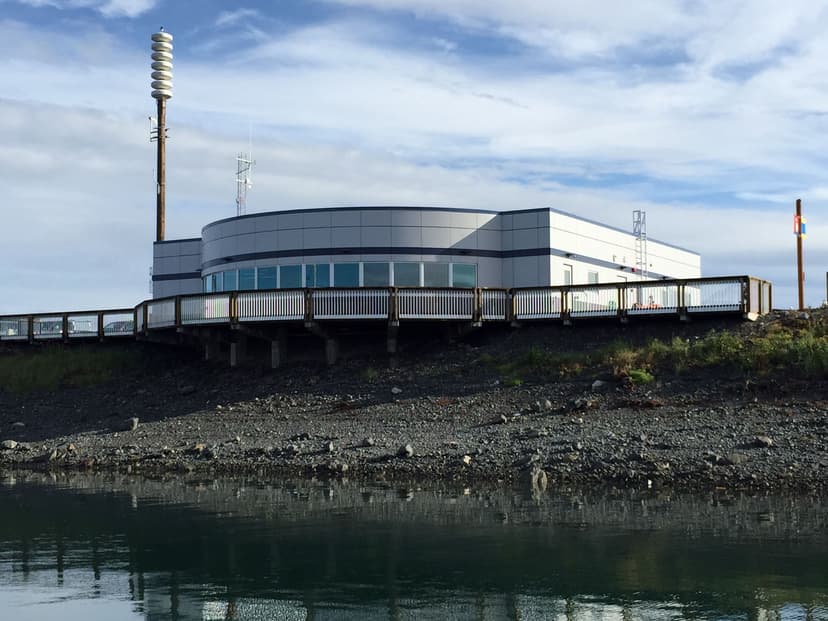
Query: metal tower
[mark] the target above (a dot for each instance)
(161, 91)
(640, 232)
(244, 169)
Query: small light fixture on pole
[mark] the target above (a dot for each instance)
(161, 91)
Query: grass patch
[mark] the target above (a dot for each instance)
(800, 351)
(55, 367)
(640, 376)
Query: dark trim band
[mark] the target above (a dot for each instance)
(180, 276)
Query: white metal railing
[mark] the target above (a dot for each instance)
(161, 313)
(538, 303)
(118, 323)
(494, 304)
(350, 303)
(280, 305)
(593, 301)
(652, 298)
(14, 329)
(83, 326)
(47, 328)
(207, 308)
(736, 294)
(435, 304)
(716, 296)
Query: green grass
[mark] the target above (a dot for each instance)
(800, 352)
(55, 367)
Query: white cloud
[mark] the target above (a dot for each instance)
(107, 8)
(228, 18)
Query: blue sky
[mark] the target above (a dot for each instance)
(710, 115)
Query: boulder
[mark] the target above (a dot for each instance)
(763, 441)
(405, 451)
(8, 445)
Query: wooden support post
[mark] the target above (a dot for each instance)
(238, 350)
(331, 351)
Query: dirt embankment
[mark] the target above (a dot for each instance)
(468, 410)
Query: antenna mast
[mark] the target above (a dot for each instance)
(244, 169)
(640, 232)
(161, 91)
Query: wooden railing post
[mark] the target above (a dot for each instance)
(178, 311)
(30, 322)
(393, 305)
(100, 326)
(65, 328)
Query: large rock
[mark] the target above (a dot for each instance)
(8, 445)
(763, 441)
(406, 451)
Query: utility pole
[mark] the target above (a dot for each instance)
(799, 231)
(161, 91)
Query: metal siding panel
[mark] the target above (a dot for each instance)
(376, 236)
(346, 236)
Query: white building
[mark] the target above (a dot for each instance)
(408, 247)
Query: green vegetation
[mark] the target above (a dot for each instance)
(369, 375)
(798, 351)
(55, 367)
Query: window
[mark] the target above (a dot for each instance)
(247, 279)
(218, 281)
(592, 278)
(230, 280)
(290, 276)
(567, 274)
(346, 274)
(375, 274)
(323, 274)
(407, 274)
(463, 275)
(435, 274)
(208, 284)
(267, 278)
(310, 275)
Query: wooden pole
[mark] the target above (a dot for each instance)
(161, 166)
(800, 274)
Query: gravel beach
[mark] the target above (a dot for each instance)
(438, 410)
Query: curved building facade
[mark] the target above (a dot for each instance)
(408, 247)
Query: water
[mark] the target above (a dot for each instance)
(98, 547)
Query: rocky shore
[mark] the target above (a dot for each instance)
(436, 411)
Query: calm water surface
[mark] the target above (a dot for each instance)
(97, 547)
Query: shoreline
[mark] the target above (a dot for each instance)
(435, 414)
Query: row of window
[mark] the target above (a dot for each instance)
(378, 274)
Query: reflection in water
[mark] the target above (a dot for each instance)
(106, 547)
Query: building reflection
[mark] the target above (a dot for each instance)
(322, 553)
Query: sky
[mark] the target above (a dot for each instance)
(710, 115)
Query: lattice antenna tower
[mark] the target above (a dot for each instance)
(640, 233)
(244, 169)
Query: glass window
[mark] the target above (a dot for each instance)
(592, 278)
(323, 274)
(346, 274)
(567, 274)
(218, 281)
(464, 275)
(310, 275)
(407, 274)
(208, 284)
(290, 276)
(267, 278)
(435, 274)
(230, 280)
(247, 279)
(375, 274)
